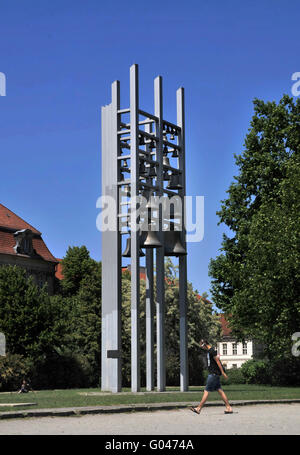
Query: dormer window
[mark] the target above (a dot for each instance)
(24, 242)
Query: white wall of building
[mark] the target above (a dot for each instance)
(233, 355)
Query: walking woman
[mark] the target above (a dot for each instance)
(215, 370)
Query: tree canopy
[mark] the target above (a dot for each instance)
(255, 279)
(26, 316)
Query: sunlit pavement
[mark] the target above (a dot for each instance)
(266, 419)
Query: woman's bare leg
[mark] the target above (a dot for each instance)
(225, 399)
(202, 402)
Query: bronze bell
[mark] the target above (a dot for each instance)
(126, 190)
(150, 240)
(124, 143)
(145, 193)
(127, 251)
(172, 243)
(174, 182)
(142, 169)
(151, 171)
(166, 175)
(166, 161)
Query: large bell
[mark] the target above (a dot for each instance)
(151, 171)
(142, 169)
(146, 193)
(174, 183)
(166, 175)
(127, 251)
(172, 244)
(126, 192)
(151, 240)
(166, 161)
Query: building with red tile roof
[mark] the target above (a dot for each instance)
(232, 352)
(225, 329)
(21, 244)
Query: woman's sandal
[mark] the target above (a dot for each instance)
(194, 410)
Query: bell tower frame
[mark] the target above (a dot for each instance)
(141, 144)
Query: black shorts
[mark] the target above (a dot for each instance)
(213, 383)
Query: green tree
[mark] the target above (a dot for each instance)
(26, 315)
(76, 265)
(86, 322)
(256, 278)
(81, 285)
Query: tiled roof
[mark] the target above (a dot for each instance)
(9, 224)
(10, 220)
(226, 331)
(41, 248)
(7, 242)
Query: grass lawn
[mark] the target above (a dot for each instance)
(94, 397)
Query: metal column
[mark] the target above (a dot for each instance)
(182, 259)
(111, 243)
(160, 259)
(135, 259)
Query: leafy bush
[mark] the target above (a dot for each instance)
(285, 371)
(256, 372)
(13, 369)
(56, 371)
(196, 375)
(235, 376)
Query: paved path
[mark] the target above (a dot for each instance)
(267, 419)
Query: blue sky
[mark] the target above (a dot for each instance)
(60, 58)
